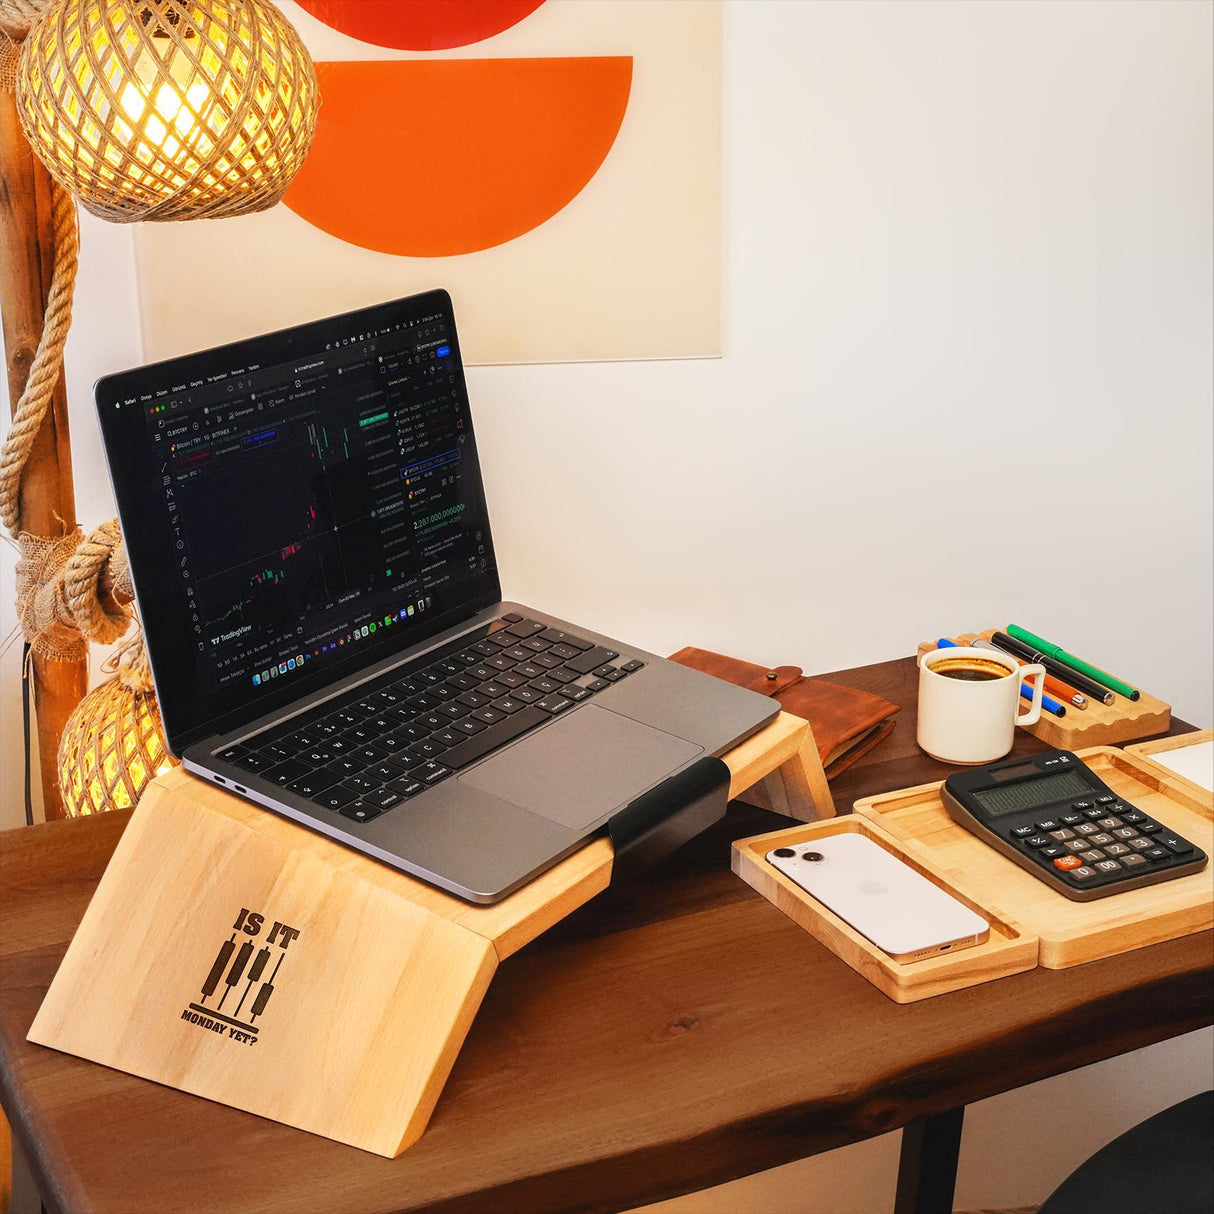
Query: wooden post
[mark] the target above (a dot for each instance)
(47, 501)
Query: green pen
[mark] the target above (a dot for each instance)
(1060, 655)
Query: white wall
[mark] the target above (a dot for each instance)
(968, 364)
(968, 379)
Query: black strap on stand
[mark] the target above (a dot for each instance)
(665, 817)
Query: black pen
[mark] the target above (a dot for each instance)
(1055, 687)
(1079, 681)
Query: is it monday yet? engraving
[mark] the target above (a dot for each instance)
(236, 970)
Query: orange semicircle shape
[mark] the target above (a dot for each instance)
(431, 158)
(420, 25)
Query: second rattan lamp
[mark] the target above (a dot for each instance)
(168, 109)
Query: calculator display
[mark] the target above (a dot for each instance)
(1030, 794)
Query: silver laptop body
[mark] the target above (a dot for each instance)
(305, 521)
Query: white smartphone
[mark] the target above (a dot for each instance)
(886, 901)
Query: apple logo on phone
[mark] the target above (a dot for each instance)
(872, 887)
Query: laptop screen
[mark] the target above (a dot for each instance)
(296, 506)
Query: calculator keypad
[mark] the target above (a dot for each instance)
(1097, 841)
(1056, 819)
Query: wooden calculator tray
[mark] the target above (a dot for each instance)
(1008, 950)
(1097, 724)
(1031, 924)
(1069, 933)
(1181, 741)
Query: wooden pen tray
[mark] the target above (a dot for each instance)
(1097, 724)
(1008, 950)
(1069, 933)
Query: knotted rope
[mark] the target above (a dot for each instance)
(57, 599)
(57, 579)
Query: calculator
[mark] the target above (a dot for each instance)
(1056, 818)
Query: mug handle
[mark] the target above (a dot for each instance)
(1033, 715)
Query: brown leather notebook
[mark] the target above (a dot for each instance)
(847, 723)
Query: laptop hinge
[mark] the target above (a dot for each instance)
(663, 819)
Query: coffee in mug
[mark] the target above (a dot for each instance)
(969, 703)
(970, 670)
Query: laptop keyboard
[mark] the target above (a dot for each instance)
(369, 754)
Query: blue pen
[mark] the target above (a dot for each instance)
(1048, 703)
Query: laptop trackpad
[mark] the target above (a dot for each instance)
(583, 766)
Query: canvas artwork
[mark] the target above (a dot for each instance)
(555, 164)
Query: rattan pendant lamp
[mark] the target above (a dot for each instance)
(141, 110)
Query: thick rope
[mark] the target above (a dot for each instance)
(80, 577)
(47, 366)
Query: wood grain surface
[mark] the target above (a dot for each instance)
(346, 1024)
(670, 1035)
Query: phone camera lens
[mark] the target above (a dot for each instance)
(784, 852)
(812, 856)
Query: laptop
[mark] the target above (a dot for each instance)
(305, 520)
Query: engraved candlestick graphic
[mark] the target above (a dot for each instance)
(263, 995)
(259, 964)
(242, 959)
(244, 966)
(225, 951)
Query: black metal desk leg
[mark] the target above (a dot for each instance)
(927, 1167)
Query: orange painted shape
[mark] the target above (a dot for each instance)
(430, 158)
(420, 25)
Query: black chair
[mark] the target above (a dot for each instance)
(1166, 1163)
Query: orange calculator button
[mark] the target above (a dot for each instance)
(1065, 862)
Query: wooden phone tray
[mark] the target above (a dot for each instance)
(1031, 924)
(1097, 724)
(374, 977)
(1008, 950)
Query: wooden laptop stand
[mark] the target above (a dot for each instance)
(232, 954)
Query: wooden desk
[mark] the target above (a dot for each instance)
(671, 1035)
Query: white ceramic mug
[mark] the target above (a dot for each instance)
(974, 721)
